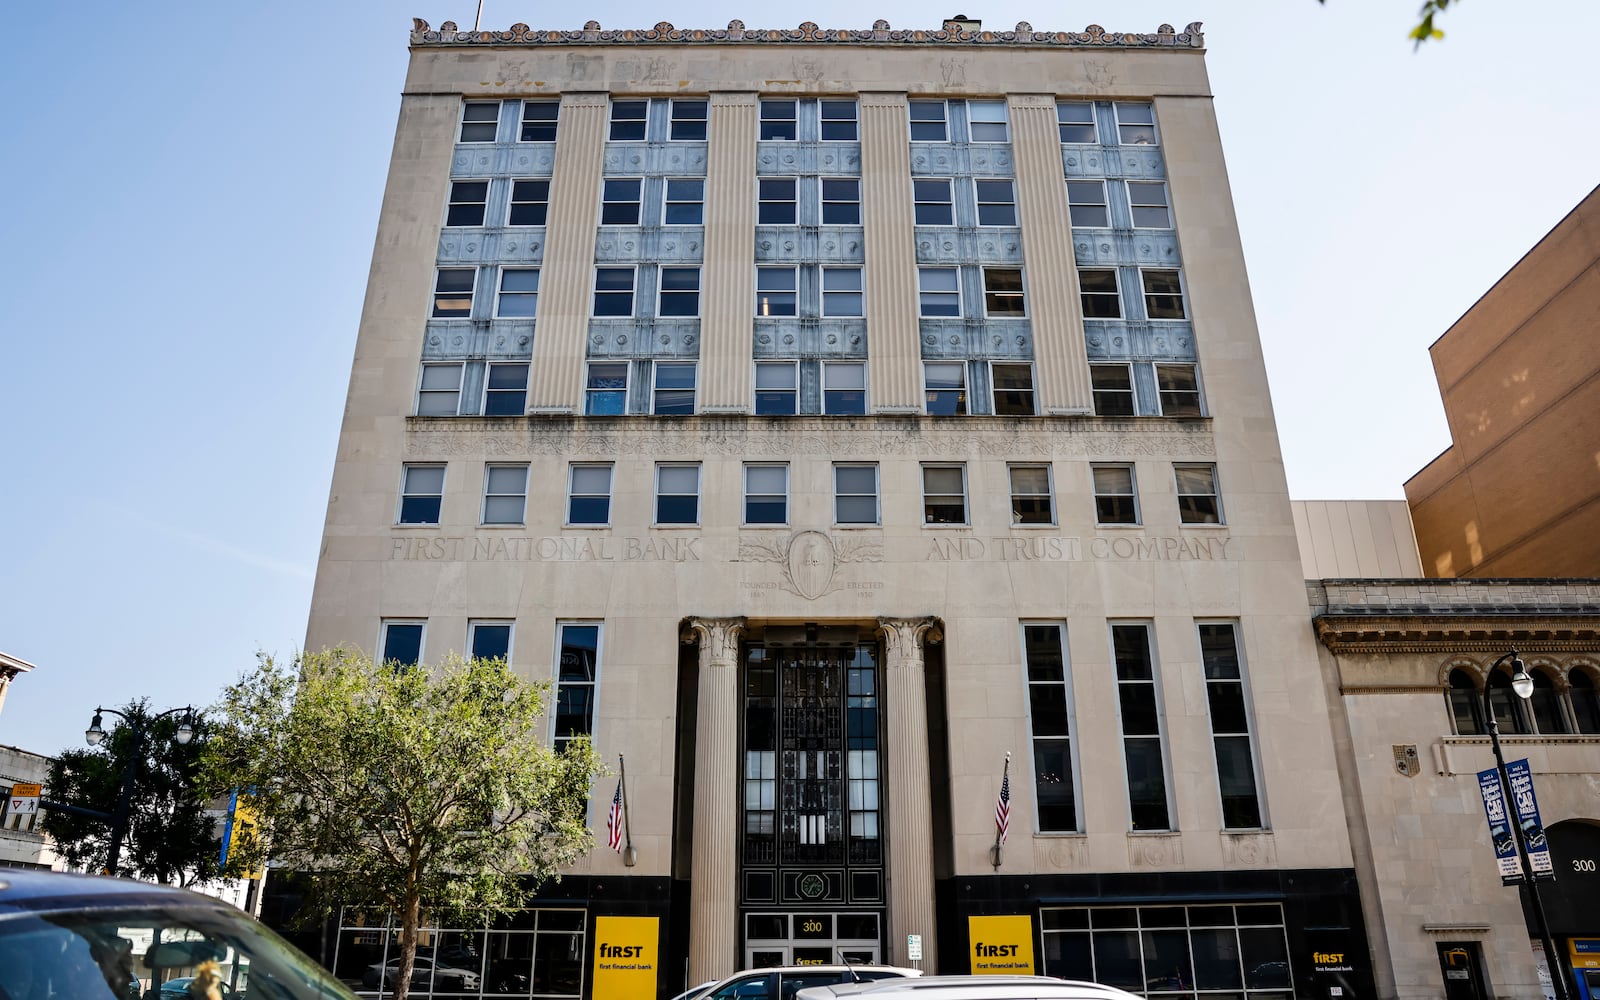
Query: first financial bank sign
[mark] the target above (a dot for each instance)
(626, 956)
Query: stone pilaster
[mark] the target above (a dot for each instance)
(894, 352)
(910, 793)
(713, 896)
(728, 315)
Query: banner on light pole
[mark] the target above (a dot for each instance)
(1505, 842)
(1527, 807)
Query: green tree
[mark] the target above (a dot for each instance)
(1424, 31)
(415, 789)
(170, 838)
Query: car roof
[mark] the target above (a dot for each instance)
(27, 891)
(786, 969)
(954, 987)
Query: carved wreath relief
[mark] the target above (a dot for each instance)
(811, 559)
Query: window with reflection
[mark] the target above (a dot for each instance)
(1049, 725)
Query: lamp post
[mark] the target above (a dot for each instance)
(1522, 684)
(130, 771)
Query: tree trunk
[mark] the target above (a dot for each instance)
(410, 918)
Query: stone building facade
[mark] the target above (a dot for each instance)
(828, 415)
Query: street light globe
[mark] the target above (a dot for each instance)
(186, 732)
(1521, 681)
(94, 734)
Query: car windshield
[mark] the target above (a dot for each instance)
(131, 954)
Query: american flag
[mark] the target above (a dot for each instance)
(1002, 808)
(614, 821)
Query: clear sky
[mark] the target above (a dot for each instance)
(193, 190)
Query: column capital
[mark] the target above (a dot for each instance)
(718, 639)
(905, 637)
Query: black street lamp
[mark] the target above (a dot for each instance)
(130, 771)
(1522, 684)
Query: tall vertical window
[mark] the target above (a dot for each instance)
(421, 494)
(1049, 723)
(452, 292)
(468, 200)
(938, 292)
(1148, 200)
(1113, 389)
(1178, 389)
(489, 640)
(589, 495)
(680, 292)
(928, 122)
(1086, 204)
(678, 494)
(1002, 292)
(844, 388)
(778, 202)
(841, 201)
(439, 393)
(778, 119)
(620, 201)
(613, 291)
(1585, 700)
(766, 494)
(932, 202)
(1545, 703)
(688, 121)
(1136, 124)
(1098, 288)
(1139, 707)
(401, 642)
(997, 202)
(530, 203)
(1230, 726)
(672, 393)
(841, 291)
(606, 388)
(944, 494)
(519, 293)
(1466, 705)
(1115, 500)
(628, 120)
(1013, 388)
(855, 494)
(987, 121)
(776, 291)
(861, 749)
(839, 120)
(777, 388)
(945, 388)
(1031, 500)
(539, 121)
(479, 121)
(577, 669)
(1075, 121)
(505, 494)
(505, 389)
(1198, 499)
(761, 756)
(1163, 294)
(685, 202)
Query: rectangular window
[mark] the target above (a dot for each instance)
(606, 390)
(844, 388)
(987, 120)
(778, 201)
(677, 494)
(530, 203)
(539, 121)
(855, 494)
(766, 494)
(1163, 294)
(421, 494)
(1230, 725)
(945, 387)
(1086, 204)
(620, 200)
(932, 201)
(1198, 500)
(680, 292)
(1031, 498)
(1236, 951)
(1113, 390)
(1013, 389)
(401, 643)
(468, 200)
(1075, 120)
(938, 292)
(479, 121)
(1139, 708)
(944, 494)
(1002, 292)
(841, 291)
(928, 122)
(577, 671)
(841, 201)
(1179, 390)
(519, 293)
(688, 120)
(613, 291)
(997, 202)
(505, 389)
(452, 291)
(589, 495)
(1136, 124)
(489, 640)
(628, 120)
(1097, 286)
(673, 392)
(778, 119)
(1148, 200)
(439, 392)
(1115, 499)
(685, 203)
(777, 388)
(775, 291)
(505, 494)
(1044, 653)
(839, 121)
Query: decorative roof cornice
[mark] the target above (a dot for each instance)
(1432, 633)
(1094, 36)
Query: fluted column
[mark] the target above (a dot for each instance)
(910, 791)
(894, 353)
(1061, 360)
(555, 383)
(728, 317)
(713, 894)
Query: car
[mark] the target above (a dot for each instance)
(695, 992)
(179, 987)
(94, 938)
(424, 970)
(970, 988)
(784, 981)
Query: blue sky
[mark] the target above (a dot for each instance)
(194, 192)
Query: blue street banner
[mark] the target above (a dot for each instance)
(1505, 844)
(1527, 807)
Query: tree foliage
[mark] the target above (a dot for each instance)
(404, 788)
(170, 838)
(1424, 31)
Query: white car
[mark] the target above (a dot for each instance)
(970, 988)
(785, 981)
(695, 992)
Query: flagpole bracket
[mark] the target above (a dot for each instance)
(630, 856)
(996, 856)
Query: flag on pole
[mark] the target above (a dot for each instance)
(614, 821)
(1002, 808)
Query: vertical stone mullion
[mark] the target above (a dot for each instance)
(893, 351)
(907, 778)
(555, 383)
(728, 311)
(1061, 361)
(714, 857)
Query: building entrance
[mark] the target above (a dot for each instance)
(812, 938)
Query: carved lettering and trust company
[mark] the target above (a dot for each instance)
(810, 562)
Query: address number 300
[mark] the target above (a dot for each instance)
(1583, 864)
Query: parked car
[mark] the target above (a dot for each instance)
(695, 992)
(424, 970)
(969, 988)
(784, 981)
(175, 988)
(92, 938)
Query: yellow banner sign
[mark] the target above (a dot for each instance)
(626, 956)
(1001, 946)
